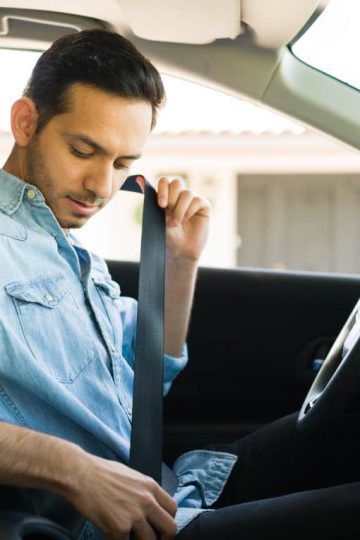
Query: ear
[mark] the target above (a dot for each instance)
(24, 118)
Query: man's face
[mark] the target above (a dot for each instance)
(81, 158)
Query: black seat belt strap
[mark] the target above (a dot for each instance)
(147, 415)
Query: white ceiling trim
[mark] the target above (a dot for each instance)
(273, 23)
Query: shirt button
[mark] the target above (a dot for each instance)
(112, 348)
(49, 297)
(31, 194)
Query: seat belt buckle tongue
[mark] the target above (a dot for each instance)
(169, 481)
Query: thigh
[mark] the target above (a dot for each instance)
(279, 459)
(325, 514)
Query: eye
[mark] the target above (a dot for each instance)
(79, 153)
(120, 166)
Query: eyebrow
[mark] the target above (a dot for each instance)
(87, 140)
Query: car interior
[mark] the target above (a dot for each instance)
(257, 337)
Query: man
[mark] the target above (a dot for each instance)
(67, 336)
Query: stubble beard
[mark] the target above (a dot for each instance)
(37, 174)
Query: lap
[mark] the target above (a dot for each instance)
(279, 459)
(325, 514)
(290, 483)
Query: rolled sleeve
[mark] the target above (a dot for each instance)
(172, 367)
(172, 364)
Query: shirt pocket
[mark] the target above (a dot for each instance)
(53, 325)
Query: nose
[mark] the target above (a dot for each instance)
(99, 181)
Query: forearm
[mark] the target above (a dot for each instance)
(113, 496)
(35, 460)
(179, 291)
(187, 226)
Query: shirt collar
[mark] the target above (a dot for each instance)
(12, 190)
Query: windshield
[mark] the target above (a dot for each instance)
(332, 42)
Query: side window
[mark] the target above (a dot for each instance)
(283, 196)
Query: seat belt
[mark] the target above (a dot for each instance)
(147, 415)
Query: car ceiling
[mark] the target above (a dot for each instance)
(238, 48)
(272, 23)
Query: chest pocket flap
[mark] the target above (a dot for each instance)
(53, 326)
(47, 291)
(10, 228)
(110, 287)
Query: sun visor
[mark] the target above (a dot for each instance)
(202, 21)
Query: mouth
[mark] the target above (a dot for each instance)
(83, 208)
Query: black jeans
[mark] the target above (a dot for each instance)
(288, 486)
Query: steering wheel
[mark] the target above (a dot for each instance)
(338, 380)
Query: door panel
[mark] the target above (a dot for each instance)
(253, 337)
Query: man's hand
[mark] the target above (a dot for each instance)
(187, 219)
(119, 500)
(112, 496)
(187, 229)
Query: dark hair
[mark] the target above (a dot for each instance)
(99, 58)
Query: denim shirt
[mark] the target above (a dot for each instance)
(67, 340)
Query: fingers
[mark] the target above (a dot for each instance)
(161, 521)
(157, 513)
(180, 203)
(176, 189)
(163, 192)
(165, 503)
(169, 191)
(119, 500)
(177, 209)
(197, 206)
(146, 522)
(144, 531)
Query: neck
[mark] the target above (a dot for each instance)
(13, 164)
